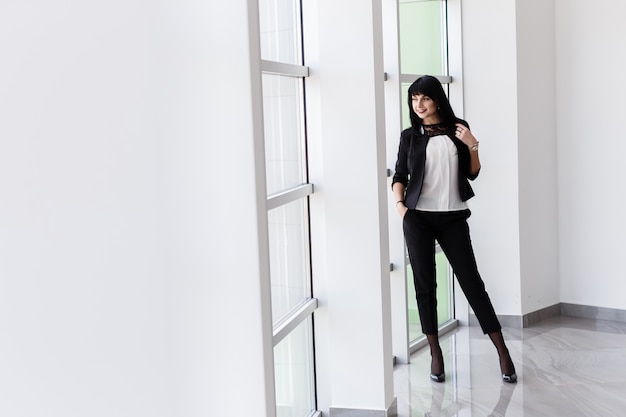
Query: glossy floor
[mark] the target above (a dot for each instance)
(566, 367)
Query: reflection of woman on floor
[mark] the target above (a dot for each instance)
(439, 394)
(437, 156)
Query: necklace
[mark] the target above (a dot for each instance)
(435, 130)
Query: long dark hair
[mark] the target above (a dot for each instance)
(430, 86)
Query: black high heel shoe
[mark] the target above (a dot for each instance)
(438, 378)
(508, 364)
(503, 353)
(512, 378)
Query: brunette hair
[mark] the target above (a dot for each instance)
(430, 86)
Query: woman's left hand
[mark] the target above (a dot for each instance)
(465, 135)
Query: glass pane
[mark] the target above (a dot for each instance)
(422, 37)
(284, 139)
(444, 307)
(293, 368)
(289, 265)
(280, 31)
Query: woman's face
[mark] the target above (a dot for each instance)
(425, 108)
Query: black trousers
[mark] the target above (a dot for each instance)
(450, 229)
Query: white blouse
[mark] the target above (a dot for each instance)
(440, 189)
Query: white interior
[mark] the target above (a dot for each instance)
(133, 269)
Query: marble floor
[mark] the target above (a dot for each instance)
(566, 367)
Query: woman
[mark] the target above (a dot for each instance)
(437, 156)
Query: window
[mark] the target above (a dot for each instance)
(288, 209)
(423, 43)
(424, 50)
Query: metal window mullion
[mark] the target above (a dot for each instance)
(443, 329)
(282, 329)
(289, 196)
(281, 68)
(444, 36)
(409, 78)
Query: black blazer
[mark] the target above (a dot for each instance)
(412, 161)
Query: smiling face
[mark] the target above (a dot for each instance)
(426, 109)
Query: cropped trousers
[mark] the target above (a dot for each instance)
(450, 229)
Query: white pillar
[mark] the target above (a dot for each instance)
(349, 208)
(225, 347)
(510, 104)
(536, 66)
(393, 103)
(490, 96)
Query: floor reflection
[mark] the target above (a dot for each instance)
(566, 366)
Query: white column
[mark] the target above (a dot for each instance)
(490, 107)
(393, 101)
(349, 208)
(537, 154)
(509, 91)
(225, 347)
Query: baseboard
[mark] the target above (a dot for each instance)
(590, 312)
(392, 411)
(542, 314)
(561, 309)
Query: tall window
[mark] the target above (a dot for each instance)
(288, 209)
(423, 50)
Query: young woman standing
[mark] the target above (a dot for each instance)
(437, 156)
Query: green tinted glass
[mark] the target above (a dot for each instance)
(422, 37)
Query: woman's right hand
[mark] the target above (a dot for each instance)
(402, 210)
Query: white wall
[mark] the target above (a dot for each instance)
(533, 73)
(537, 150)
(490, 95)
(82, 293)
(133, 244)
(591, 144)
(509, 71)
(131, 282)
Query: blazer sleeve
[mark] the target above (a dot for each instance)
(464, 156)
(401, 174)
